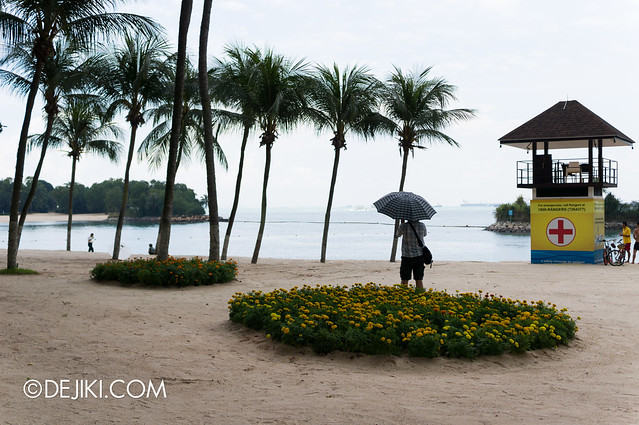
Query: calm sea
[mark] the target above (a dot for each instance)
(454, 233)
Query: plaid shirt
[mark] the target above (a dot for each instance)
(410, 246)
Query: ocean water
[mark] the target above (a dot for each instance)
(454, 233)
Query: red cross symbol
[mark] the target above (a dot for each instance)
(560, 231)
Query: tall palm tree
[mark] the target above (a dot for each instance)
(132, 76)
(231, 85)
(164, 233)
(342, 102)
(61, 74)
(417, 104)
(80, 129)
(209, 139)
(155, 146)
(279, 92)
(39, 23)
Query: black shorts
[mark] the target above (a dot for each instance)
(412, 265)
(636, 246)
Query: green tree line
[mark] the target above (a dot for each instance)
(145, 198)
(614, 210)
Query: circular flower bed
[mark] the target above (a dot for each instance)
(170, 272)
(378, 319)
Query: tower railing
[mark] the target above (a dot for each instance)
(567, 171)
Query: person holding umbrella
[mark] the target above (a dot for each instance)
(410, 209)
(412, 257)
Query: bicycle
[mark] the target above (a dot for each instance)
(613, 254)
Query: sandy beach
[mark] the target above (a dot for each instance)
(57, 218)
(62, 325)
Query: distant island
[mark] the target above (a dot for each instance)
(199, 218)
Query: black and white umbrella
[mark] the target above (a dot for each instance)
(404, 206)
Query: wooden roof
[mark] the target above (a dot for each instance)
(568, 124)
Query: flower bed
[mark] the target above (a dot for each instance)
(378, 319)
(171, 272)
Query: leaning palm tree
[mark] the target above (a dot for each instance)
(80, 129)
(132, 76)
(279, 93)
(231, 81)
(40, 23)
(164, 233)
(417, 104)
(61, 74)
(342, 102)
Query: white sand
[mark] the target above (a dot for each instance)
(62, 325)
(57, 218)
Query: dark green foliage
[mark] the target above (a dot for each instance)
(615, 210)
(521, 211)
(172, 272)
(621, 211)
(145, 198)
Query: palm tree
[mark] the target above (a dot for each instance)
(131, 77)
(342, 102)
(417, 104)
(164, 233)
(81, 130)
(209, 139)
(231, 85)
(60, 75)
(155, 146)
(278, 92)
(39, 23)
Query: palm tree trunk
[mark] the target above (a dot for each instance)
(236, 199)
(36, 176)
(260, 232)
(401, 189)
(70, 220)
(14, 210)
(125, 194)
(171, 169)
(327, 216)
(211, 186)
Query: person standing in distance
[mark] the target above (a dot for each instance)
(90, 241)
(626, 239)
(635, 234)
(412, 256)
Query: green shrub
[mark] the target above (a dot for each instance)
(377, 319)
(171, 272)
(520, 209)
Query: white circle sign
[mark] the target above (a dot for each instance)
(561, 231)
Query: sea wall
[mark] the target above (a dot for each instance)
(509, 227)
(524, 227)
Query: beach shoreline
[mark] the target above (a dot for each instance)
(58, 218)
(60, 324)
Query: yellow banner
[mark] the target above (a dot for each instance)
(566, 224)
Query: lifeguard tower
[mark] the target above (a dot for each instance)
(567, 207)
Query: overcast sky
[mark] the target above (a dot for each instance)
(510, 60)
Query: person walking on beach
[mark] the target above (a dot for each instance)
(635, 234)
(412, 256)
(626, 239)
(90, 241)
